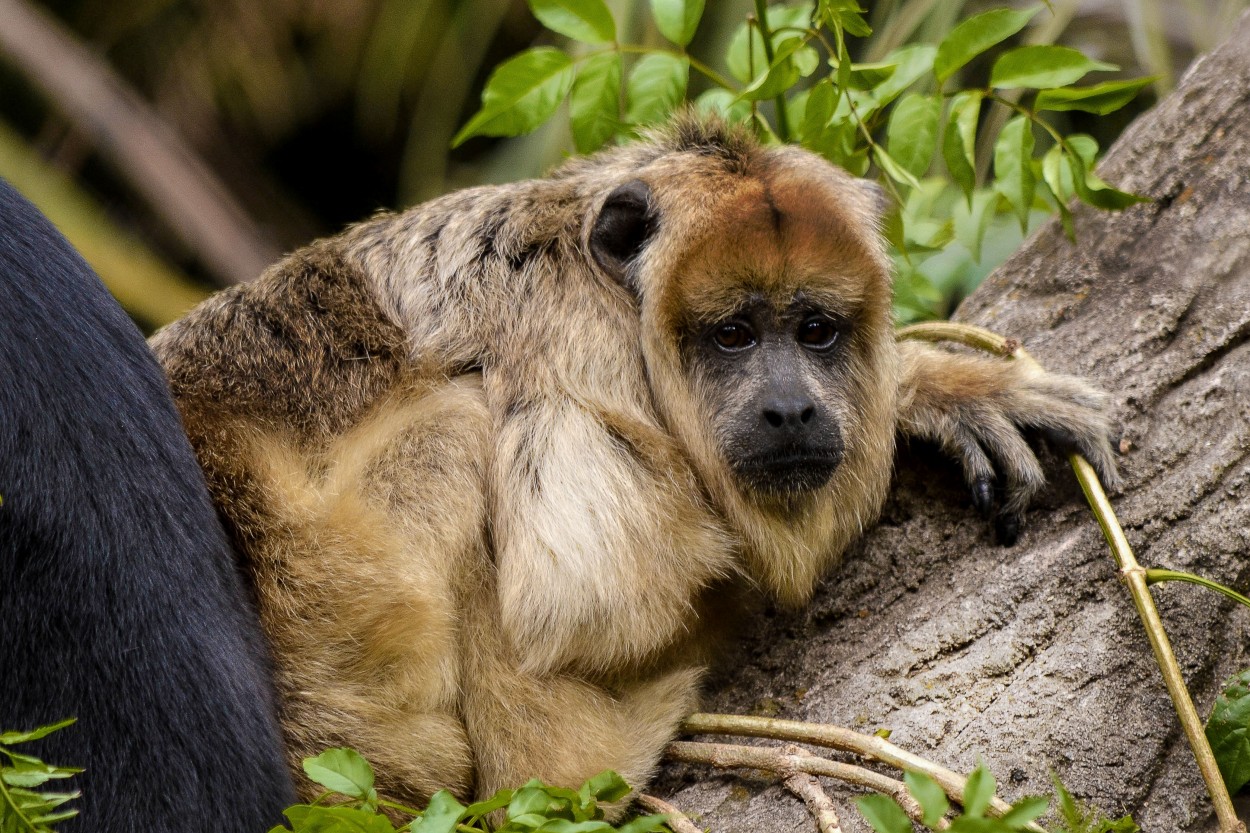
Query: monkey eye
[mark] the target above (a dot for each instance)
(733, 337)
(817, 333)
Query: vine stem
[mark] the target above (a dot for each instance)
(831, 737)
(1157, 576)
(677, 820)
(790, 762)
(783, 118)
(1133, 574)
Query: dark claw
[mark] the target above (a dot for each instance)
(983, 496)
(1008, 527)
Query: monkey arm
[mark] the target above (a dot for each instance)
(978, 409)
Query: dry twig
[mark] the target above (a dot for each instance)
(787, 763)
(677, 820)
(818, 803)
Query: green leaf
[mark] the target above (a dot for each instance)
(1013, 169)
(959, 142)
(29, 779)
(912, 63)
(441, 814)
(1089, 187)
(1077, 818)
(912, 133)
(781, 74)
(1100, 98)
(927, 233)
(975, 35)
(608, 786)
(646, 824)
(892, 169)
(1024, 811)
(1228, 731)
(497, 801)
(807, 59)
(13, 738)
(883, 814)
(657, 84)
(677, 20)
(931, 797)
(724, 103)
(52, 818)
(588, 21)
(978, 791)
(594, 103)
(844, 14)
(341, 770)
(566, 826)
(528, 800)
(821, 101)
(339, 819)
(977, 824)
(1057, 175)
(1042, 67)
(521, 94)
(915, 296)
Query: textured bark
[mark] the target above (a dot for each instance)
(1032, 657)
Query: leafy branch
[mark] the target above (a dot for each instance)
(351, 804)
(23, 809)
(792, 77)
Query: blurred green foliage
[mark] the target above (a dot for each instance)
(315, 113)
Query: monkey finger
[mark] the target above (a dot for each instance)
(961, 443)
(1022, 475)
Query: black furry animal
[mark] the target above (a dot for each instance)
(120, 601)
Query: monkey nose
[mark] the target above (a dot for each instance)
(789, 414)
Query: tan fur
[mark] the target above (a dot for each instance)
(491, 533)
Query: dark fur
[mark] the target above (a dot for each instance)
(120, 599)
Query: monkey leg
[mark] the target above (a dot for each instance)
(561, 728)
(369, 543)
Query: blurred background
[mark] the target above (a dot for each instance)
(182, 145)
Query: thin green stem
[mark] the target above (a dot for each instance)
(761, 20)
(1133, 574)
(695, 64)
(1157, 575)
(382, 802)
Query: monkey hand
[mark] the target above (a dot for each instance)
(978, 408)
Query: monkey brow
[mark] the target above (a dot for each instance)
(826, 300)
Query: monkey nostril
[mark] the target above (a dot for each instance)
(789, 415)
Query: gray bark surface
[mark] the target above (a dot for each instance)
(1032, 657)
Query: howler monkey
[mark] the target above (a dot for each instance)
(493, 459)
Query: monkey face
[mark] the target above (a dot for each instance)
(773, 376)
(763, 303)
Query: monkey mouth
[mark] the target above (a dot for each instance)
(789, 472)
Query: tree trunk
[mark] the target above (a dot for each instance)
(1032, 657)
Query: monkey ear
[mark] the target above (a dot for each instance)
(624, 225)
